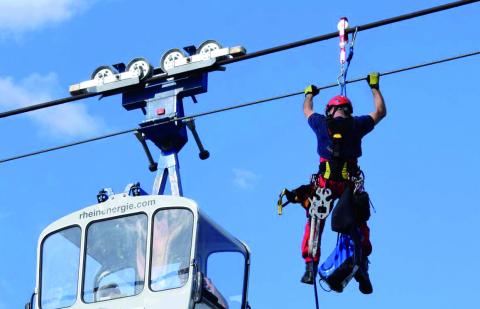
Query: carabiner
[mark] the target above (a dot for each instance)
(354, 37)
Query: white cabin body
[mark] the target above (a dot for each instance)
(140, 252)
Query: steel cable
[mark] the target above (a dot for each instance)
(234, 107)
(259, 53)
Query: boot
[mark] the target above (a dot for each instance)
(363, 279)
(309, 275)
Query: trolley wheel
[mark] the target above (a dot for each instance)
(208, 46)
(102, 72)
(168, 59)
(141, 66)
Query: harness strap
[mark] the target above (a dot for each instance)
(337, 169)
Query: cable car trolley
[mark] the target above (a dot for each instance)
(174, 62)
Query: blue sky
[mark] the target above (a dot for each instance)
(421, 162)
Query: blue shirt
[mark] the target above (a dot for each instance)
(352, 148)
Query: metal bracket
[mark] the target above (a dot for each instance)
(152, 164)
(163, 104)
(204, 154)
(168, 167)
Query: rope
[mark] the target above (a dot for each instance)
(344, 70)
(233, 107)
(257, 53)
(315, 290)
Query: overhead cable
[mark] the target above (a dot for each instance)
(359, 28)
(259, 53)
(235, 107)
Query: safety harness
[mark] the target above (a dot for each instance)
(339, 167)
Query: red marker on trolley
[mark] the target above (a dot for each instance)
(342, 26)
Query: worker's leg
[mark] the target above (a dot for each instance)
(306, 238)
(362, 276)
(311, 262)
(365, 234)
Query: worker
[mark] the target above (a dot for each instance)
(339, 135)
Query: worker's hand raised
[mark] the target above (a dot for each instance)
(373, 80)
(311, 89)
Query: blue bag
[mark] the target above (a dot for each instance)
(340, 267)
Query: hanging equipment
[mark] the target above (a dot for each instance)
(344, 58)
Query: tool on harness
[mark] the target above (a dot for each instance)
(281, 203)
(358, 179)
(360, 200)
(353, 206)
(317, 201)
(321, 203)
(344, 58)
(320, 206)
(299, 195)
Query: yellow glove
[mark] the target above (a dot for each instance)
(373, 80)
(311, 89)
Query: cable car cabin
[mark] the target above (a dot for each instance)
(140, 252)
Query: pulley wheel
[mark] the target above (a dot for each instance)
(140, 66)
(208, 46)
(169, 58)
(102, 72)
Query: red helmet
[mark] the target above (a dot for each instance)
(339, 100)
